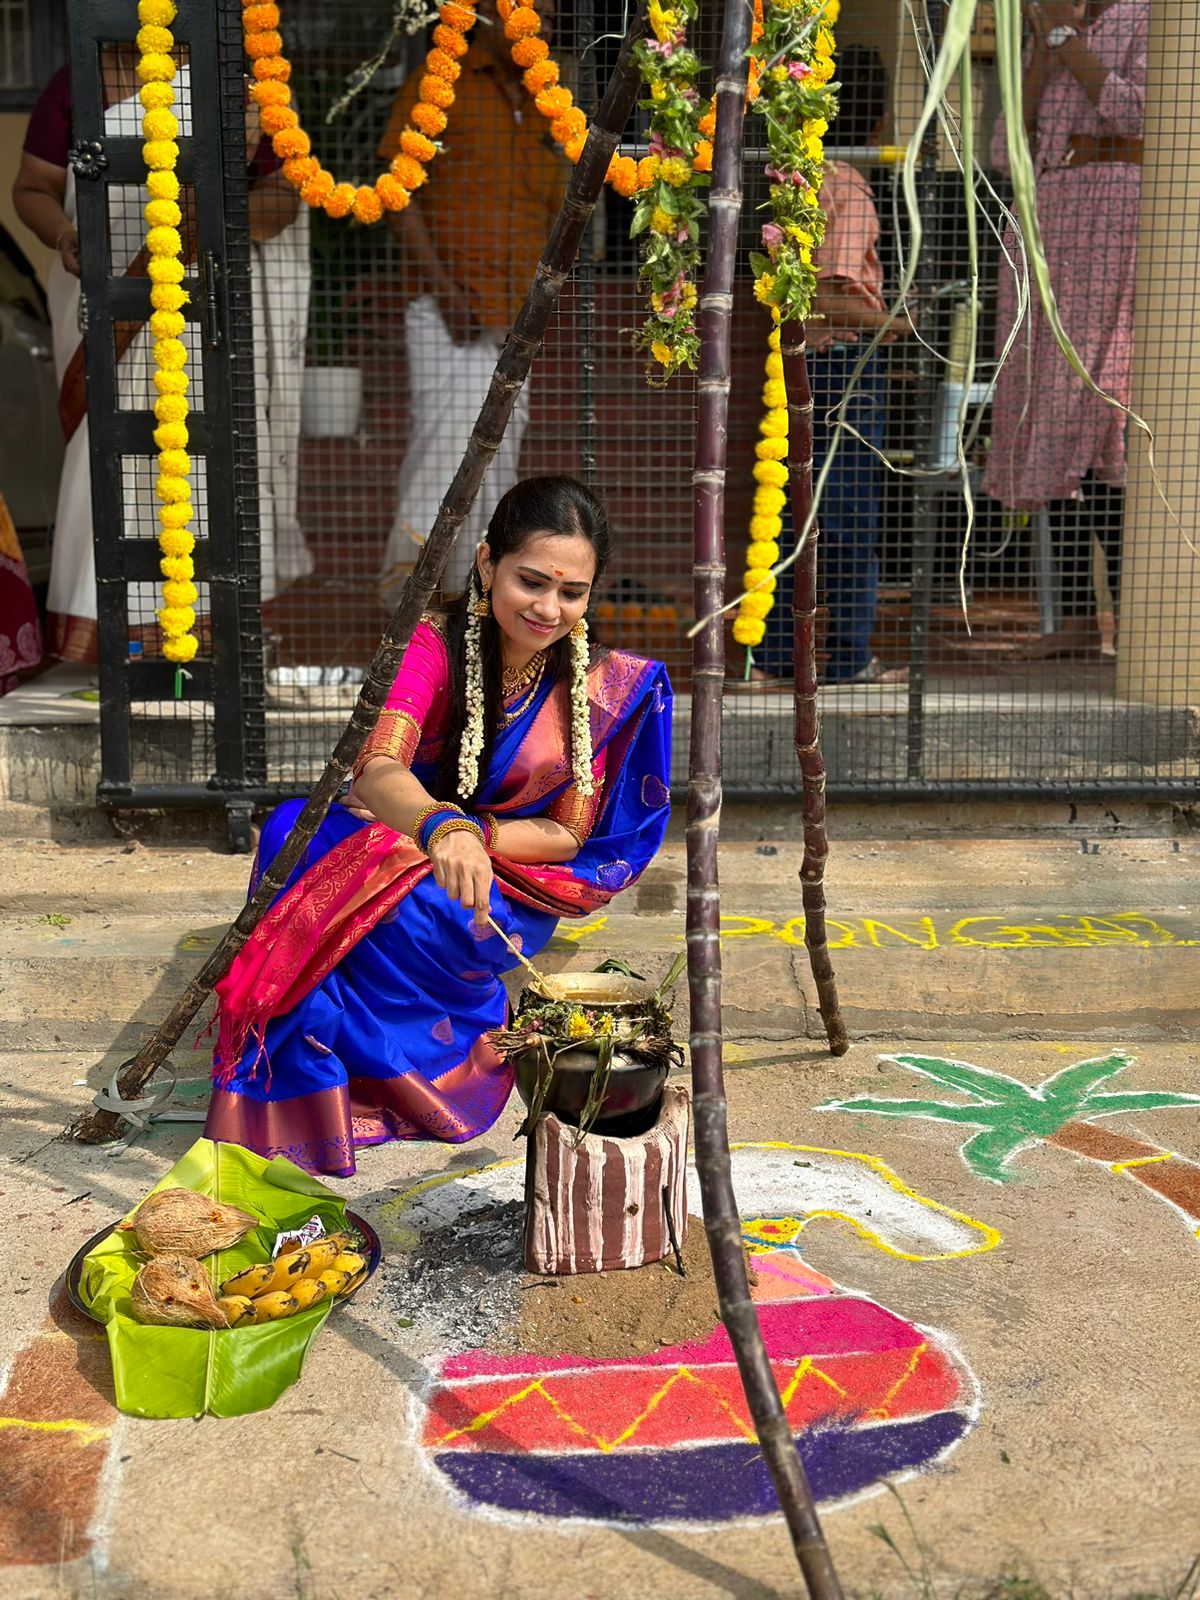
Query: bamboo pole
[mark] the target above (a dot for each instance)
(721, 1220)
(512, 369)
(808, 721)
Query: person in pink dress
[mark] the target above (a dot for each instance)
(1055, 444)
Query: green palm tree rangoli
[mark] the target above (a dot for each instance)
(1059, 1111)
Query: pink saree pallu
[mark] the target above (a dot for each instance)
(359, 1009)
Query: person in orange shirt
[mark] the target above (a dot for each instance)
(470, 243)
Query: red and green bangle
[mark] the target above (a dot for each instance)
(491, 831)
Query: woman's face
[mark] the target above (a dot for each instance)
(540, 591)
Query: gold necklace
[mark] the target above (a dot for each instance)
(514, 679)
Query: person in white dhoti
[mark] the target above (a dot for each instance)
(470, 243)
(44, 197)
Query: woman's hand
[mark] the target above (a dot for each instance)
(462, 868)
(1045, 15)
(68, 249)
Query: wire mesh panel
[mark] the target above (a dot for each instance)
(1056, 649)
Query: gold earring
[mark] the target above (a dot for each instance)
(579, 631)
(484, 604)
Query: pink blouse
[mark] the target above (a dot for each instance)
(412, 729)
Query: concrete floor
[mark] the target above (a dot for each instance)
(1057, 1308)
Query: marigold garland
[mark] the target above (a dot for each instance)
(392, 190)
(157, 69)
(766, 523)
(793, 50)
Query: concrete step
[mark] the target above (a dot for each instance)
(951, 939)
(49, 738)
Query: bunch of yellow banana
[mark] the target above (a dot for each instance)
(294, 1281)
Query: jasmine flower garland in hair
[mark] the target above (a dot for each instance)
(581, 720)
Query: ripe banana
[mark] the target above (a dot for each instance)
(335, 1282)
(308, 1291)
(354, 1282)
(324, 1252)
(350, 1262)
(251, 1282)
(238, 1308)
(271, 1307)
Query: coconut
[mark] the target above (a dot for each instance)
(174, 1290)
(182, 1222)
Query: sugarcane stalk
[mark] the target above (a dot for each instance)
(804, 666)
(512, 369)
(722, 1223)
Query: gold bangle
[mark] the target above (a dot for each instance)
(462, 824)
(426, 812)
(491, 830)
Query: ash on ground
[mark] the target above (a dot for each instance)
(460, 1283)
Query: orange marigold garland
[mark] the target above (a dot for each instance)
(393, 189)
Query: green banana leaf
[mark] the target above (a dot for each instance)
(185, 1372)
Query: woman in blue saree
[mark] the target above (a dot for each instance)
(517, 773)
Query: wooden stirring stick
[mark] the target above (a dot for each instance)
(548, 987)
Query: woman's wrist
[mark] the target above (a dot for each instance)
(438, 831)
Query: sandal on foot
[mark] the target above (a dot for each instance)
(874, 673)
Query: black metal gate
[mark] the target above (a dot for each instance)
(196, 736)
(978, 716)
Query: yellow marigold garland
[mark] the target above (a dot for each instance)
(156, 69)
(392, 190)
(793, 51)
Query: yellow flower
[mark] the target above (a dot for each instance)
(156, 68)
(170, 355)
(174, 463)
(774, 425)
(769, 500)
(167, 324)
(156, 96)
(816, 128)
(578, 1026)
(822, 69)
(772, 474)
(662, 221)
(762, 553)
(172, 489)
(171, 408)
(675, 171)
(175, 543)
(832, 12)
(164, 269)
(181, 650)
(160, 125)
(801, 235)
(756, 605)
(774, 367)
(174, 520)
(763, 530)
(687, 296)
(824, 42)
(756, 581)
(171, 382)
(774, 393)
(773, 344)
(163, 214)
(168, 297)
(171, 436)
(647, 171)
(658, 91)
(749, 630)
(661, 353)
(160, 13)
(665, 23)
(814, 149)
(806, 257)
(162, 185)
(762, 288)
(176, 619)
(179, 569)
(179, 592)
(160, 154)
(771, 449)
